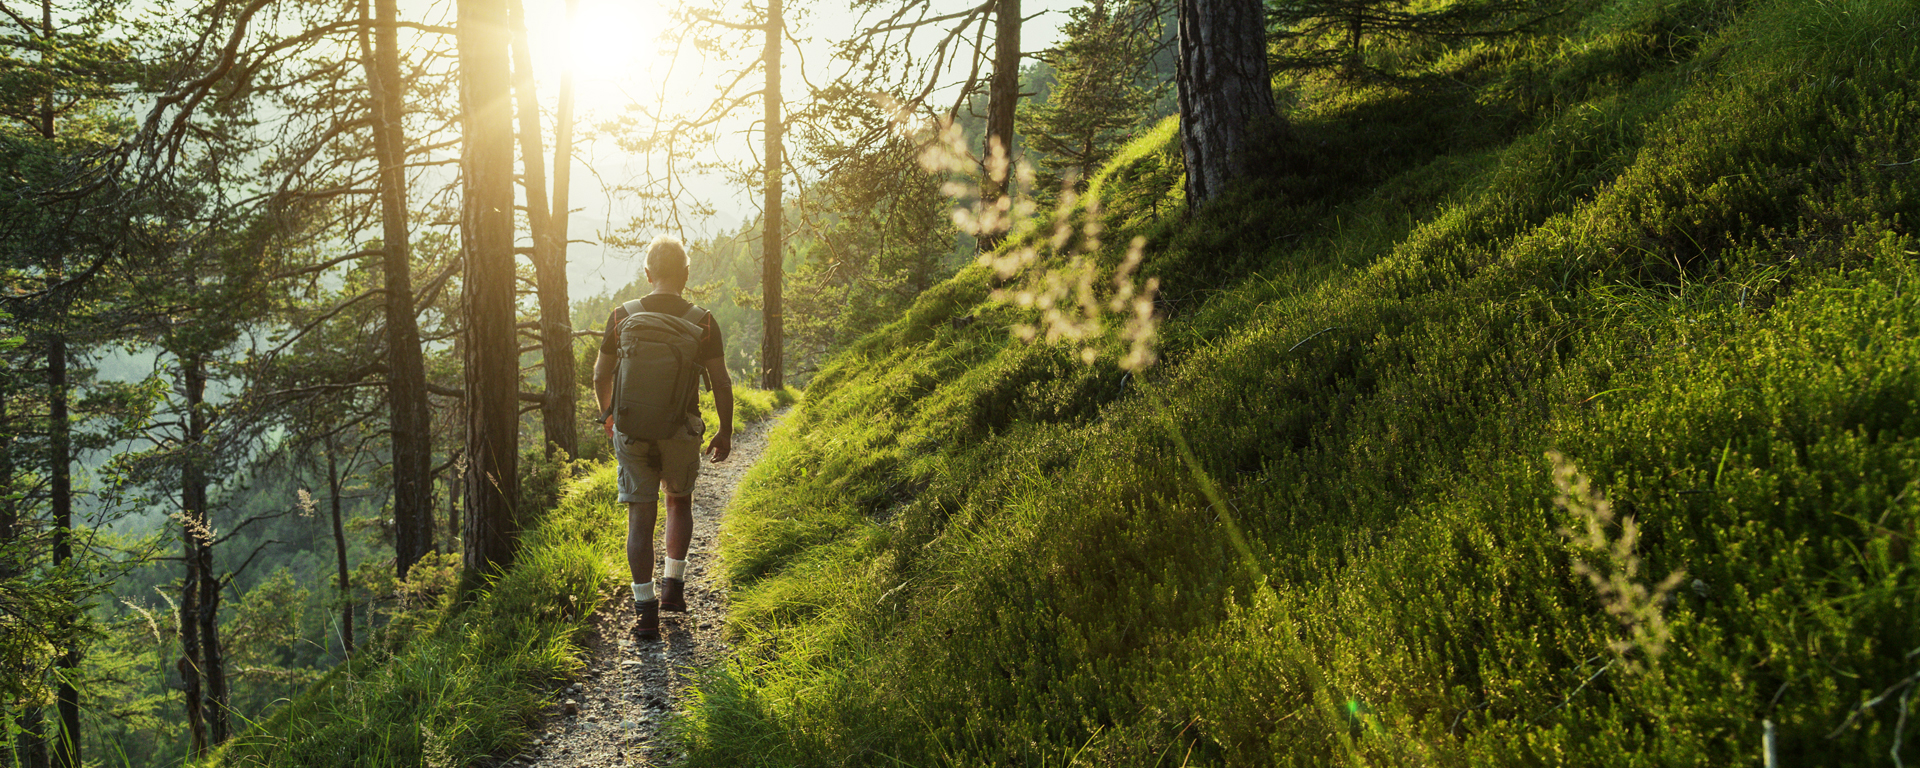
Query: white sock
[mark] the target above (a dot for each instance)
(676, 569)
(642, 592)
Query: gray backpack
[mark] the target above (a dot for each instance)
(658, 375)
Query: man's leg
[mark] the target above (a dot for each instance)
(640, 519)
(680, 466)
(679, 535)
(646, 605)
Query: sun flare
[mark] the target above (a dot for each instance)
(612, 47)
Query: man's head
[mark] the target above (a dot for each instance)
(667, 263)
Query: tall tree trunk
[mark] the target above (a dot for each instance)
(549, 266)
(1224, 91)
(772, 252)
(66, 747)
(189, 663)
(196, 545)
(492, 364)
(562, 197)
(1003, 94)
(410, 423)
(340, 551)
(213, 665)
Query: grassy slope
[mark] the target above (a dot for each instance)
(450, 687)
(1673, 242)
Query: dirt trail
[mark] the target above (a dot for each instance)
(611, 714)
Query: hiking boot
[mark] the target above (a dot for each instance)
(648, 627)
(673, 595)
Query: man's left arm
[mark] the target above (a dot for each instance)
(722, 384)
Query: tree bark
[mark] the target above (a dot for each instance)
(189, 663)
(409, 420)
(492, 365)
(772, 359)
(549, 266)
(1003, 94)
(66, 746)
(1224, 90)
(340, 551)
(196, 547)
(213, 669)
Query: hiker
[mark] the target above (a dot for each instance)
(660, 444)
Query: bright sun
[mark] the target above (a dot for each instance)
(612, 47)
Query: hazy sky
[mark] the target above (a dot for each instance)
(619, 59)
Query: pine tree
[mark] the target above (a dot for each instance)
(1104, 87)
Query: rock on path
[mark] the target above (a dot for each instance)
(612, 713)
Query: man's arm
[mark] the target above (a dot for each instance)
(722, 384)
(603, 370)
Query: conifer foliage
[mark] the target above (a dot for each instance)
(1103, 92)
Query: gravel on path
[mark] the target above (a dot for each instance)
(611, 714)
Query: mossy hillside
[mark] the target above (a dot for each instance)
(1681, 255)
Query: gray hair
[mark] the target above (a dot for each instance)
(667, 258)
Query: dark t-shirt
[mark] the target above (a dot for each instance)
(711, 345)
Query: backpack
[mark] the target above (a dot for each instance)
(657, 377)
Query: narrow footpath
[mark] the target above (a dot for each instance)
(612, 713)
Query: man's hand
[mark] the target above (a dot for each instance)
(608, 424)
(721, 447)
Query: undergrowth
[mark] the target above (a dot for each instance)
(1670, 240)
(452, 684)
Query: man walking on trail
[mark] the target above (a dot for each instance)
(629, 370)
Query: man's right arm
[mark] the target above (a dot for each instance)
(603, 369)
(604, 366)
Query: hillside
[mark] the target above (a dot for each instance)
(1663, 246)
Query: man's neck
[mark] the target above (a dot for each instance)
(668, 290)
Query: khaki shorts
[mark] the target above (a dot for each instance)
(676, 465)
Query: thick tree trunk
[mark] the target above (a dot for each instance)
(1224, 90)
(492, 363)
(340, 552)
(1003, 95)
(410, 421)
(549, 266)
(772, 254)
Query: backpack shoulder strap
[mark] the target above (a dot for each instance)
(633, 307)
(695, 315)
